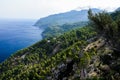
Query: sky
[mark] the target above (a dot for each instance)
(35, 9)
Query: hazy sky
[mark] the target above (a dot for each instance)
(34, 9)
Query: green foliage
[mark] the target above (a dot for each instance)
(58, 30)
(101, 21)
(37, 61)
(115, 15)
(107, 26)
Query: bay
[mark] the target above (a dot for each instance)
(16, 35)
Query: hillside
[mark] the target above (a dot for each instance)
(63, 18)
(88, 53)
(58, 30)
(57, 24)
(37, 61)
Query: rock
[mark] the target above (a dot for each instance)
(48, 41)
(68, 60)
(117, 76)
(105, 68)
(83, 74)
(76, 75)
(49, 78)
(93, 74)
(65, 78)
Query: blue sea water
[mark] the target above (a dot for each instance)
(17, 34)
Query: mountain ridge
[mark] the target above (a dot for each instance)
(62, 18)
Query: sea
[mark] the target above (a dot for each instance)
(16, 35)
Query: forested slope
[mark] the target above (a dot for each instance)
(58, 30)
(37, 61)
(88, 53)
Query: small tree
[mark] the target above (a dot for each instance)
(106, 26)
(101, 21)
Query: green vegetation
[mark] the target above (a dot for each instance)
(57, 24)
(36, 62)
(107, 26)
(90, 52)
(58, 30)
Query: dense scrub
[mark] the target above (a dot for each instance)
(90, 52)
(36, 61)
(58, 30)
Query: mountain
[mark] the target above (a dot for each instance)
(118, 9)
(62, 18)
(57, 24)
(88, 53)
(58, 30)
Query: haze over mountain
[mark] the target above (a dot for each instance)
(67, 17)
(35, 9)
